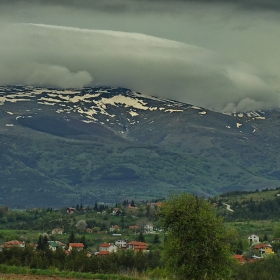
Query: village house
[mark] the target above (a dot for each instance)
(138, 246)
(240, 258)
(77, 246)
(116, 211)
(13, 243)
(149, 228)
(53, 245)
(264, 249)
(70, 210)
(252, 238)
(155, 204)
(134, 227)
(58, 230)
(121, 244)
(109, 247)
(115, 228)
(102, 253)
(88, 230)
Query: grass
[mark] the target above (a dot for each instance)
(63, 274)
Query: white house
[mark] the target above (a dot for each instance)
(109, 247)
(57, 230)
(149, 228)
(121, 243)
(115, 228)
(252, 238)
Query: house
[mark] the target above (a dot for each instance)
(149, 228)
(58, 230)
(12, 243)
(264, 248)
(89, 254)
(88, 230)
(240, 258)
(138, 246)
(121, 244)
(276, 240)
(115, 228)
(70, 210)
(53, 245)
(109, 247)
(77, 246)
(134, 227)
(155, 204)
(116, 212)
(102, 253)
(252, 238)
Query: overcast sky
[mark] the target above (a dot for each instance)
(222, 55)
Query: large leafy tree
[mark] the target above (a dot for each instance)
(197, 244)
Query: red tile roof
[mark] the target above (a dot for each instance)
(105, 245)
(138, 243)
(102, 253)
(240, 258)
(76, 245)
(259, 246)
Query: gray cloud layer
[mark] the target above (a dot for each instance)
(57, 44)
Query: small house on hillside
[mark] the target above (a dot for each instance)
(264, 248)
(138, 246)
(102, 253)
(240, 258)
(252, 238)
(121, 244)
(14, 243)
(53, 245)
(134, 227)
(109, 247)
(77, 246)
(115, 228)
(149, 228)
(70, 210)
(88, 230)
(57, 230)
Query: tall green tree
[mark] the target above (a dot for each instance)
(71, 237)
(197, 244)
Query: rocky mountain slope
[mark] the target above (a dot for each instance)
(61, 147)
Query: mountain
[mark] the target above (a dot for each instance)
(62, 147)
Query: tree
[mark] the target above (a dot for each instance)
(197, 244)
(81, 225)
(140, 237)
(72, 237)
(42, 242)
(156, 239)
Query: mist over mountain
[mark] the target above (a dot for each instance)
(223, 57)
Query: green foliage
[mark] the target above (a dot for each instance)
(268, 268)
(197, 243)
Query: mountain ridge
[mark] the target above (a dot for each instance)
(103, 144)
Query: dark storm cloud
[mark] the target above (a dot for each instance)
(148, 46)
(122, 5)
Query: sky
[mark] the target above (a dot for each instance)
(220, 55)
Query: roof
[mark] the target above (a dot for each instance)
(13, 242)
(240, 258)
(259, 246)
(103, 253)
(54, 244)
(77, 245)
(138, 243)
(105, 245)
(141, 247)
